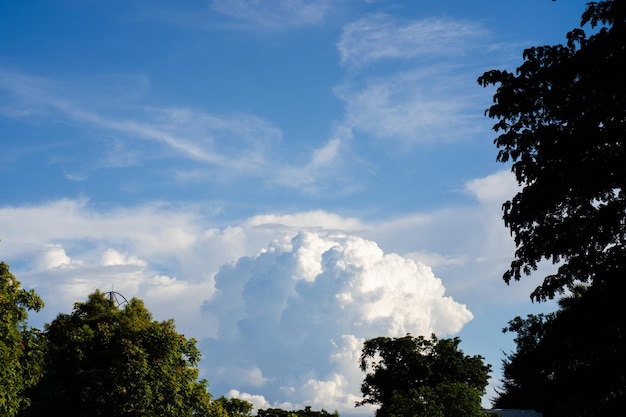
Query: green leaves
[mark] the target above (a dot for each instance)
(21, 348)
(235, 407)
(421, 377)
(103, 361)
(97, 361)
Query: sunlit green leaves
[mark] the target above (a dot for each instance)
(105, 361)
(21, 349)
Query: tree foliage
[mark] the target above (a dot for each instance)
(103, 361)
(570, 362)
(21, 353)
(561, 120)
(306, 412)
(415, 376)
(235, 407)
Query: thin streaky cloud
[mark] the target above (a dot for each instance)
(380, 36)
(247, 15)
(238, 145)
(432, 98)
(307, 175)
(193, 134)
(330, 168)
(274, 14)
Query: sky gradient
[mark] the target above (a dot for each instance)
(284, 178)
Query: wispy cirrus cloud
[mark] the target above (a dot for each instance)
(327, 168)
(238, 145)
(380, 36)
(416, 106)
(247, 15)
(431, 97)
(233, 142)
(274, 14)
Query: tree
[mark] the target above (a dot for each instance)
(570, 362)
(21, 353)
(526, 371)
(415, 376)
(105, 361)
(235, 407)
(561, 120)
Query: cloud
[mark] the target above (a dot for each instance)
(494, 188)
(310, 220)
(194, 145)
(413, 106)
(307, 176)
(436, 260)
(308, 305)
(248, 15)
(51, 256)
(234, 142)
(274, 14)
(168, 240)
(381, 37)
(430, 96)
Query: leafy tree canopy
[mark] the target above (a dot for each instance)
(571, 362)
(561, 119)
(235, 407)
(416, 376)
(21, 353)
(105, 361)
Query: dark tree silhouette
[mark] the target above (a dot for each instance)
(561, 120)
(570, 362)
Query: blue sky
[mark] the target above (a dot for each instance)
(284, 178)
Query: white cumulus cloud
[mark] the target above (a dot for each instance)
(297, 315)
